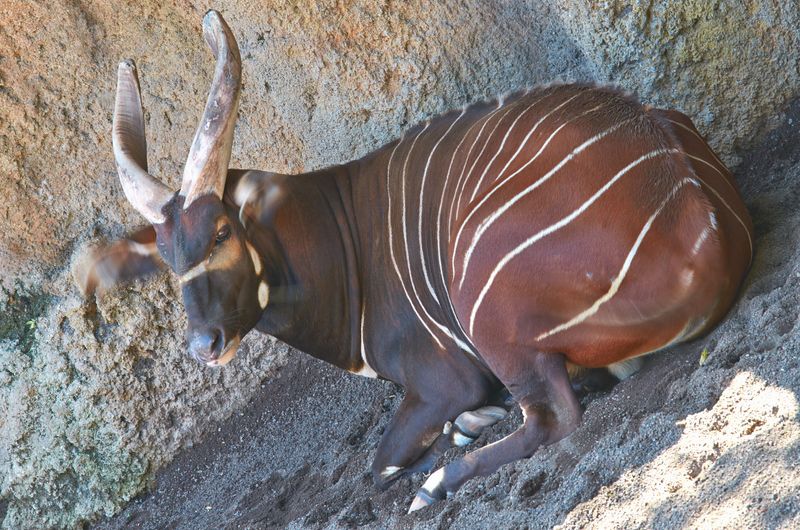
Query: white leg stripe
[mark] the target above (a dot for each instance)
(622, 273)
(552, 228)
(390, 470)
(484, 225)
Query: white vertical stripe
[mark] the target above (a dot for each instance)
(701, 139)
(700, 240)
(592, 310)
(480, 154)
(557, 226)
(391, 238)
(421, 208)
(439, 249)
(366, 370)
(714, 191)
(441, 204)
(484, 225)
(442, 328)
(474, 210)
(461, 182)
(508, 133)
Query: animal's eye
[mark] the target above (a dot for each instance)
(223, 234)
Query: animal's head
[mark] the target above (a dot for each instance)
(197, 235)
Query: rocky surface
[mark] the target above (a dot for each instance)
(98, 395)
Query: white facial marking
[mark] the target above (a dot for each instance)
(263, 294)
(581, 317)
(193, 273)
(256, 259)
(246, 187)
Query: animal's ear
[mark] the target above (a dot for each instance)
(257, 194)
(102, 268)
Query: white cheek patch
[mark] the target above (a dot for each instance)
(263, 294)
(193, 273)
(255, 258)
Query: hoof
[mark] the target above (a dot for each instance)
(430, 492)
(469, 425)
(422, 500)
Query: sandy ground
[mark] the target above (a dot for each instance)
(680, 444)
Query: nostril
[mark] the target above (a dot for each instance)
(216, 344)
(206, 345)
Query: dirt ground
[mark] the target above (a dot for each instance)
(683, 443)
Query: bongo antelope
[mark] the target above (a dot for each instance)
(495, 247)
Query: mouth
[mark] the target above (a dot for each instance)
(228, 354)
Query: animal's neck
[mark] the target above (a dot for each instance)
(315, 302)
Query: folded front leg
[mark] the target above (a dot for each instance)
(418, 433)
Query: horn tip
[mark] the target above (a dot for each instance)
(212, 18)
(127, 64)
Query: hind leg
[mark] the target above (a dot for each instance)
(540, 384)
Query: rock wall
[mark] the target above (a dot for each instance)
(99, 394)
